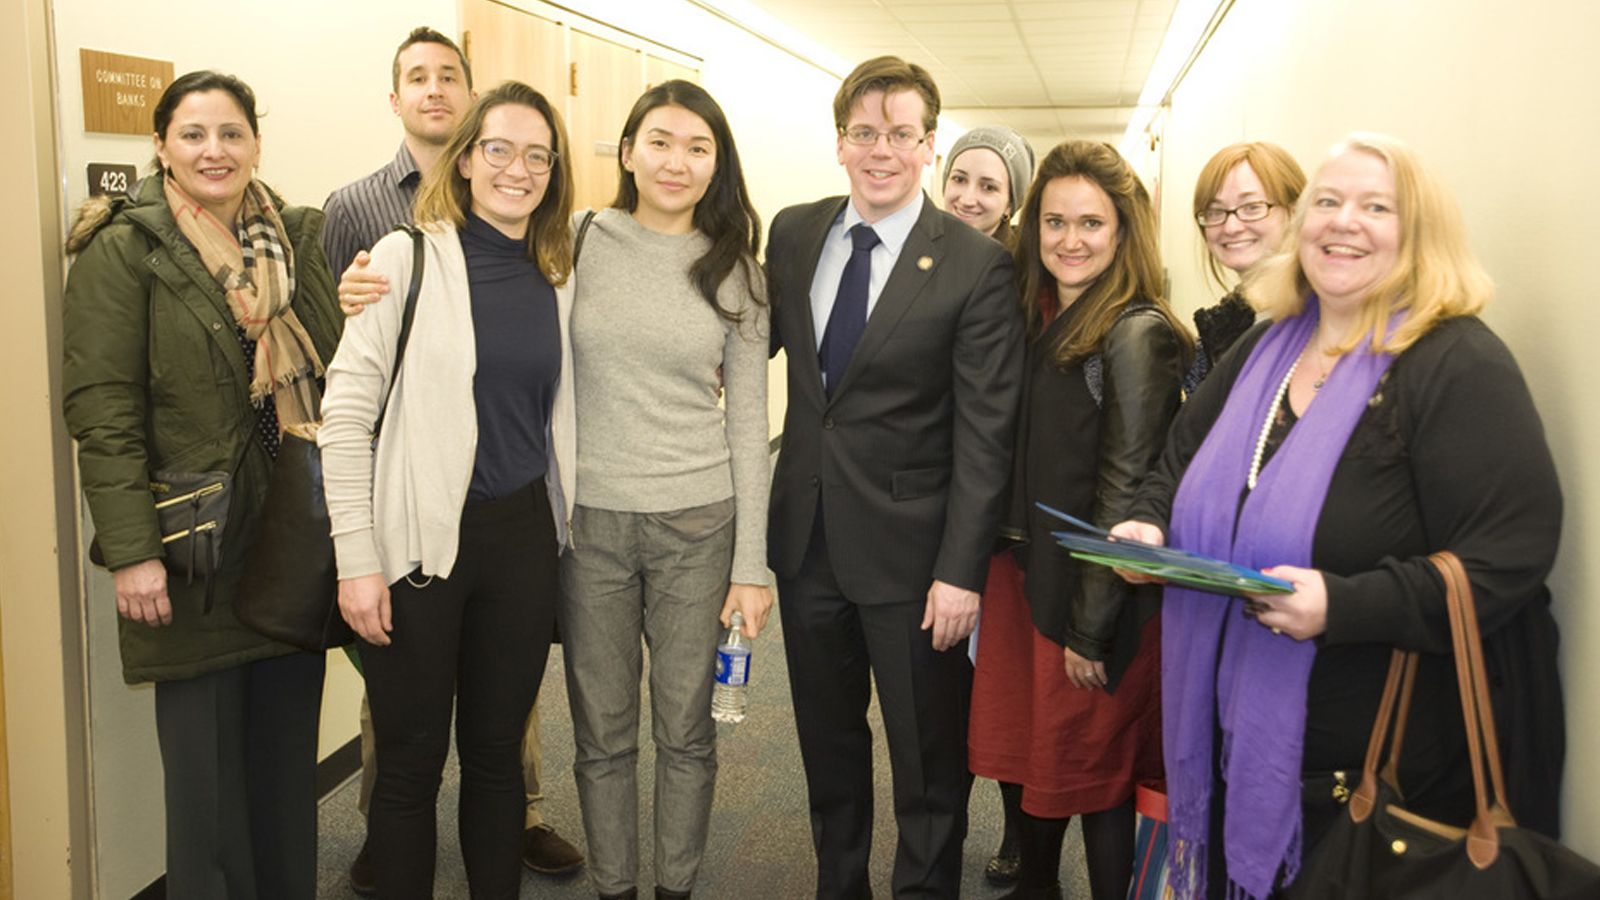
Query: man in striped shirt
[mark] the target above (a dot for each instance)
(432, 92)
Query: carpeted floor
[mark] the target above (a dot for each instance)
(760, 842)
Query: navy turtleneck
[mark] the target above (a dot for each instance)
(517, 334)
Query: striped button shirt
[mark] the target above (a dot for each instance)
(365, 210)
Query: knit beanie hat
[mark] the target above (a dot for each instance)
(1012, 149)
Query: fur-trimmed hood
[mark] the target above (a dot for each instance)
(92, 216)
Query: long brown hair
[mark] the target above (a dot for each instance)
(446, 195)
(1135, 272)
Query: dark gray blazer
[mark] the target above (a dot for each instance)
(911, 455)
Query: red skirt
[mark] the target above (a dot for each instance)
(1074, 751)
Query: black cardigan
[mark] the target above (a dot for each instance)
(1449, 455)
(1087, 459)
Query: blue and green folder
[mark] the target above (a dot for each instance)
(1192, 570)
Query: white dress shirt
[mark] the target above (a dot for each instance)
(892, 230)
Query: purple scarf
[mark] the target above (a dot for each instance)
(1257, 683)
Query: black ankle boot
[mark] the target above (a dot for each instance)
(664, 894)
(1004, 866)
(629, 894)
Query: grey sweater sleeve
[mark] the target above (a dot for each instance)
(744, 375)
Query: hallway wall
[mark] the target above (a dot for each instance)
(1492, 99)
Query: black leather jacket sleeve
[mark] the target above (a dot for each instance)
(1143, 364)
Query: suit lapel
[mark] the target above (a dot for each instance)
(804, 349)
(912, 271)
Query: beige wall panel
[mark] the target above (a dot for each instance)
(506, 44)
(1495, 103)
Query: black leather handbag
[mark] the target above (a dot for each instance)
(191, 513)
(1379, 850)
(290, 588)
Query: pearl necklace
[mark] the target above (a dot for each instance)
(1266, 427)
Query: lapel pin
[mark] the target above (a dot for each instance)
(925, 263)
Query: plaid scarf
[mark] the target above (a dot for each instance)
(252, 261)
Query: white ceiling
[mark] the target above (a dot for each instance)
(1051, 69)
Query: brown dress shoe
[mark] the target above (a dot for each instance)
(363, 880)
(549, 853)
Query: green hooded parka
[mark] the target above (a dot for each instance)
(154, 379)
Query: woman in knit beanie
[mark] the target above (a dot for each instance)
(985, 178)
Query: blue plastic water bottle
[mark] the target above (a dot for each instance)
(730, 696)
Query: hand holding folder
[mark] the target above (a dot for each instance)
(1203, 573)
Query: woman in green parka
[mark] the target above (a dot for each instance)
(198, 316)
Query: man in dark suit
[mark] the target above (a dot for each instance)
(905, 343)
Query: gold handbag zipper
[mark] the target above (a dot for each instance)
(205, 491)
(198, 529)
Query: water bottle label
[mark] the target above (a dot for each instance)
(733, 669)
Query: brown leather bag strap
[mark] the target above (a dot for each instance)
(1483, 837)
(1365, 797)
(1408, 679)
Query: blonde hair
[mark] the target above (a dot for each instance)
(446, 195)
(1135, 271)
(1437, 275)
(1280, 176)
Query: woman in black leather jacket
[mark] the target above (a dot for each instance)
(1066, 693)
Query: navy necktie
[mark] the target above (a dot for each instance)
(849, 316)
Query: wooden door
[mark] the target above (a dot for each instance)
(505, 44)
(607, 78)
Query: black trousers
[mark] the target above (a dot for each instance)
(478, 639)
(835, 648)
(239, 751)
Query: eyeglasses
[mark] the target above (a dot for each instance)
(899, 139)
(1254, 211)
(499, 153)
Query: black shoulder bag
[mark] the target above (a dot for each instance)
(290, 588)
(1378, 849)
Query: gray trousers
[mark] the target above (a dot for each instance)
(663, 576)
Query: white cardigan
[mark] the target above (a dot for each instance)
(400, 509)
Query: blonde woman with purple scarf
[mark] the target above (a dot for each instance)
(198, 318)
(1372, 420)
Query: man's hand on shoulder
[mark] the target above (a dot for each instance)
(952, 614)
(359, 286)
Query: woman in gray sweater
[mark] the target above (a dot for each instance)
(669, 528)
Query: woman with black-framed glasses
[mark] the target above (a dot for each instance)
(1242, 202)
(448, 535)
